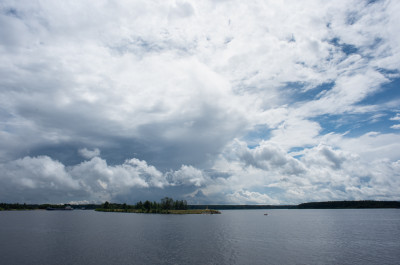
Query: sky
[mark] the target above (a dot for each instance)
(214, 102)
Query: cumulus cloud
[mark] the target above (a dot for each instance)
(42, 179)
(92, 180)
(248, 197)
(321, 173)
(268, 156)
(37, 179)
(264, 175)
(324, 156)
(188, 175)
(88, 154)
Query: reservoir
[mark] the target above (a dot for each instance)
(350, 236)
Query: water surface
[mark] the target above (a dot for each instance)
(364, 236)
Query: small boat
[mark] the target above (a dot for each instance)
(265, 214)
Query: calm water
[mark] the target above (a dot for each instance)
(234, 237)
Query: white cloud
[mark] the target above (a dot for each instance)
(342, 98)
(42, 179)
(88, 154)
(240, 197)
(396, 118)
(187, 175)
(321, 173)
(373, 146)
(264, 175)
(295, 132)
(36, 179)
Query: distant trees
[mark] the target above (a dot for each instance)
(17, 206)
(167, 203)
(24, 206)
(349, 205)
(147, 206)
(164, 206)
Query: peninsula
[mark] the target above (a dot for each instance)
(166, 206)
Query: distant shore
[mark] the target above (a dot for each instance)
(368, 204)
(195, 209)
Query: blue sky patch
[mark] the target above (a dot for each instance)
(298, 92)
(345, 47)
(388, 92)
(259, 133)
(355, 125)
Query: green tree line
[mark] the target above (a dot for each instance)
(349, 205)
(24, 206)
(147, 206)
